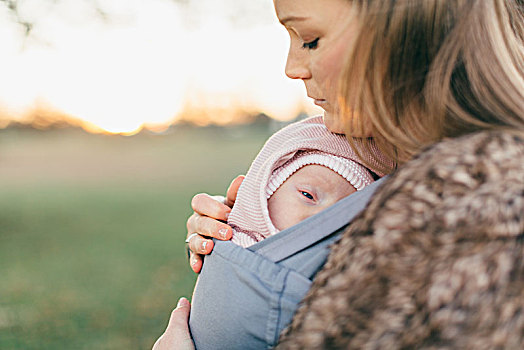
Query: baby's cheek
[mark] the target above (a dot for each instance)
(277, 213)
(285, 211)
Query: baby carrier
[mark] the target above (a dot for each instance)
(245, 297)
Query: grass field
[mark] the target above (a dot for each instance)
(92, 229)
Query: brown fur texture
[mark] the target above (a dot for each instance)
(436, 261)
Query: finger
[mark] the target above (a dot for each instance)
(208, 227)
(177, 335)
(178, 322)
(200, 245)
(231, 195)
(195, 261)
(207, 205)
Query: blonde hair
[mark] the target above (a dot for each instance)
(424, 70)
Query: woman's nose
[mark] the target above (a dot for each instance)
(297, 66)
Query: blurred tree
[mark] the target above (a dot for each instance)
(13, 6)
(240, 13)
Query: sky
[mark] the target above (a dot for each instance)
(148, 63)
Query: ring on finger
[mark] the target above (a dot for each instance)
(188, 250)
(190, 236)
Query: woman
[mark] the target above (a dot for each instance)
(418, 73)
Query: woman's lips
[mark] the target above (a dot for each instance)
(320, 102)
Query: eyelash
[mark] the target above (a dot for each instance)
(311, 45)
(307, 195)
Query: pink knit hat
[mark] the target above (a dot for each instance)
(249, 217)
(354, 173)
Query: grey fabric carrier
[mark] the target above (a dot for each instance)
(244, 298)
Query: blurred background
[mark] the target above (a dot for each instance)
(113, 114)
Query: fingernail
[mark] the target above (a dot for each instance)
(223, 233)
(204, 245)
(194, 262)
(182, 302)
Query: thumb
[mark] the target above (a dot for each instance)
(232, 191)
(180, 316)
(177, 334)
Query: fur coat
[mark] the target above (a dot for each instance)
(436, 261)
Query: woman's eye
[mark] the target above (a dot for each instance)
(307, 195)
(311, 45)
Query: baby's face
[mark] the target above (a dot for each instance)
(308, 191)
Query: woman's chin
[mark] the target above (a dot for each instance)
(333, 123)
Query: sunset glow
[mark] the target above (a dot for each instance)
(147, 66)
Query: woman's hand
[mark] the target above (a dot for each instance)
(177, 336)
(208, 222)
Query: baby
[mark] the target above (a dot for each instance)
(301, 170)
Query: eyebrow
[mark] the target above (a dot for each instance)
(284, 20)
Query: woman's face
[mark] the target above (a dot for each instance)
(322, 33)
